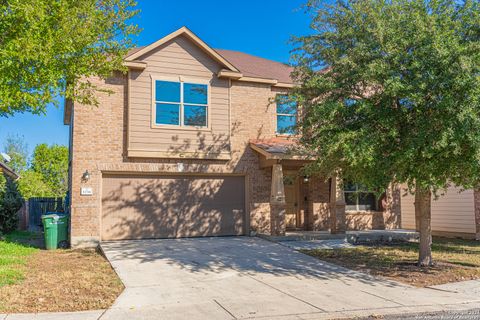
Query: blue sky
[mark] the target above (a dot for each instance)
(258, 27)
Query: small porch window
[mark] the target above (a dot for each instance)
(358, 198)
(286, 115)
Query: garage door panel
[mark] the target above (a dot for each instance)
(136, 207)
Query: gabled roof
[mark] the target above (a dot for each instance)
(8, 171)
(257, 67)
(183, 31)
(236, 65)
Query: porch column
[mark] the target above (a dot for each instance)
(392, 215)
(338, 223)
(277, 202)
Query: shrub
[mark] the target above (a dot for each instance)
(10, 202)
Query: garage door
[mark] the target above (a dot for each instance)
(142, 207)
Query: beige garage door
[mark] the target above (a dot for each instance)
(142, 207)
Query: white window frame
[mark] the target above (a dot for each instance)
(283, 114)
(181, 80)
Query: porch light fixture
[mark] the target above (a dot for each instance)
(86, 176)
(306, 179)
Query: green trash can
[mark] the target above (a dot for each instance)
(55, 228)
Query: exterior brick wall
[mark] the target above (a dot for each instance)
(318, 204)
(378, 220)
(99, 145)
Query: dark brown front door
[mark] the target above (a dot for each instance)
(292, 213)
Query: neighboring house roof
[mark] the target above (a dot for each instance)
(8, 171)
(134, 50)
(256, 67)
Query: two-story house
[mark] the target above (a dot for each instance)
(194, 142)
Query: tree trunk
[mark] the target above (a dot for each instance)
(423, 212)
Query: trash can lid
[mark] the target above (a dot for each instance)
(51, 215)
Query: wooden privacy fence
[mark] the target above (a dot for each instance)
(40, 206)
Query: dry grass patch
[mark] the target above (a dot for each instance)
(61, 280)
(456, 260)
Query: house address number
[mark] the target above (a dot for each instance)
(86, 191)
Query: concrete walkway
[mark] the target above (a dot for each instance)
(251, 278)
(316, 244)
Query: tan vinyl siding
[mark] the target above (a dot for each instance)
(452, 212)
(179, 58)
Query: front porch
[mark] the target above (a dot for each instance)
(300, 203)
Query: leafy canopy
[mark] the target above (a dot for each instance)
(391, 91)
(51, 164)
(45, 175)
(16, 147)
(31, 185)
(49, 47)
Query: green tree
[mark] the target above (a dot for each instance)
(31, 185)
(10, 202)
(49, 47)
(51, 163)
(391, 93)
(16, 147)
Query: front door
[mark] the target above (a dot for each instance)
(291, 185)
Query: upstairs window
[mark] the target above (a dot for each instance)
(286, 115)
(181, 104)
(358, 198)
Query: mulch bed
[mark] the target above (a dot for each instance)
(62, 280)
(456, 260)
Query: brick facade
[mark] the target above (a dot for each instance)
(389, 218)
(99, 145)
(318, 218)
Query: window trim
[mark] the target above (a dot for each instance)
(357, 210)
(181, 80)
(284, 114)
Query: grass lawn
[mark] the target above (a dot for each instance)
(35, 280)
(456, 260)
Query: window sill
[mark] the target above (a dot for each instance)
(286, 135)
(180, 128)
(360, 212)
(148, 153)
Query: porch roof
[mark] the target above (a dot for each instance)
(278, 148)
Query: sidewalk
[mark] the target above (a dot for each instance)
(82, 315)
(156, 313)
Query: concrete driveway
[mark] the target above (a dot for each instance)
(244, 278)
